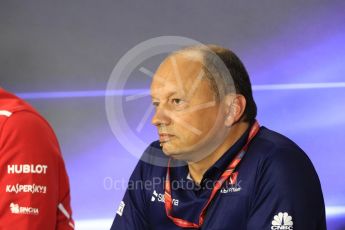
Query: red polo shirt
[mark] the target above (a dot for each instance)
(34, 187)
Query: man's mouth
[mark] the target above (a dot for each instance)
(164, 137)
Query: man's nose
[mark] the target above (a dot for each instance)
(161, 117)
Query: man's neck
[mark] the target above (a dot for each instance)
(197, 169)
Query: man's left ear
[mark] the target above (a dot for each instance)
(235, 106)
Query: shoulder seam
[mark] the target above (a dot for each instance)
(36, 114)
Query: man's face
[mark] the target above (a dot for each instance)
(186, 109)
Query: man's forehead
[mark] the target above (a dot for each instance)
(177, 69)
(165, 85)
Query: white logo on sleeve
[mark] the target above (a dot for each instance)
(16, 209)
(282, 221)
(26, 188)
(121, 208)
(5, 113)
(27, 169)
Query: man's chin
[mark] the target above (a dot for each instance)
(187, 155)
(178, 155)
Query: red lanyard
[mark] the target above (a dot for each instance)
(226, 174)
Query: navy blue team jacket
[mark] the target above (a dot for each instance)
(276, 188)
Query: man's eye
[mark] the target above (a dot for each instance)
(155, 103)
(177, 101)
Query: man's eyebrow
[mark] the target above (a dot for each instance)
(169, 95)
(153, 98)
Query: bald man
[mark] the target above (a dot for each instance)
(214, 166)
